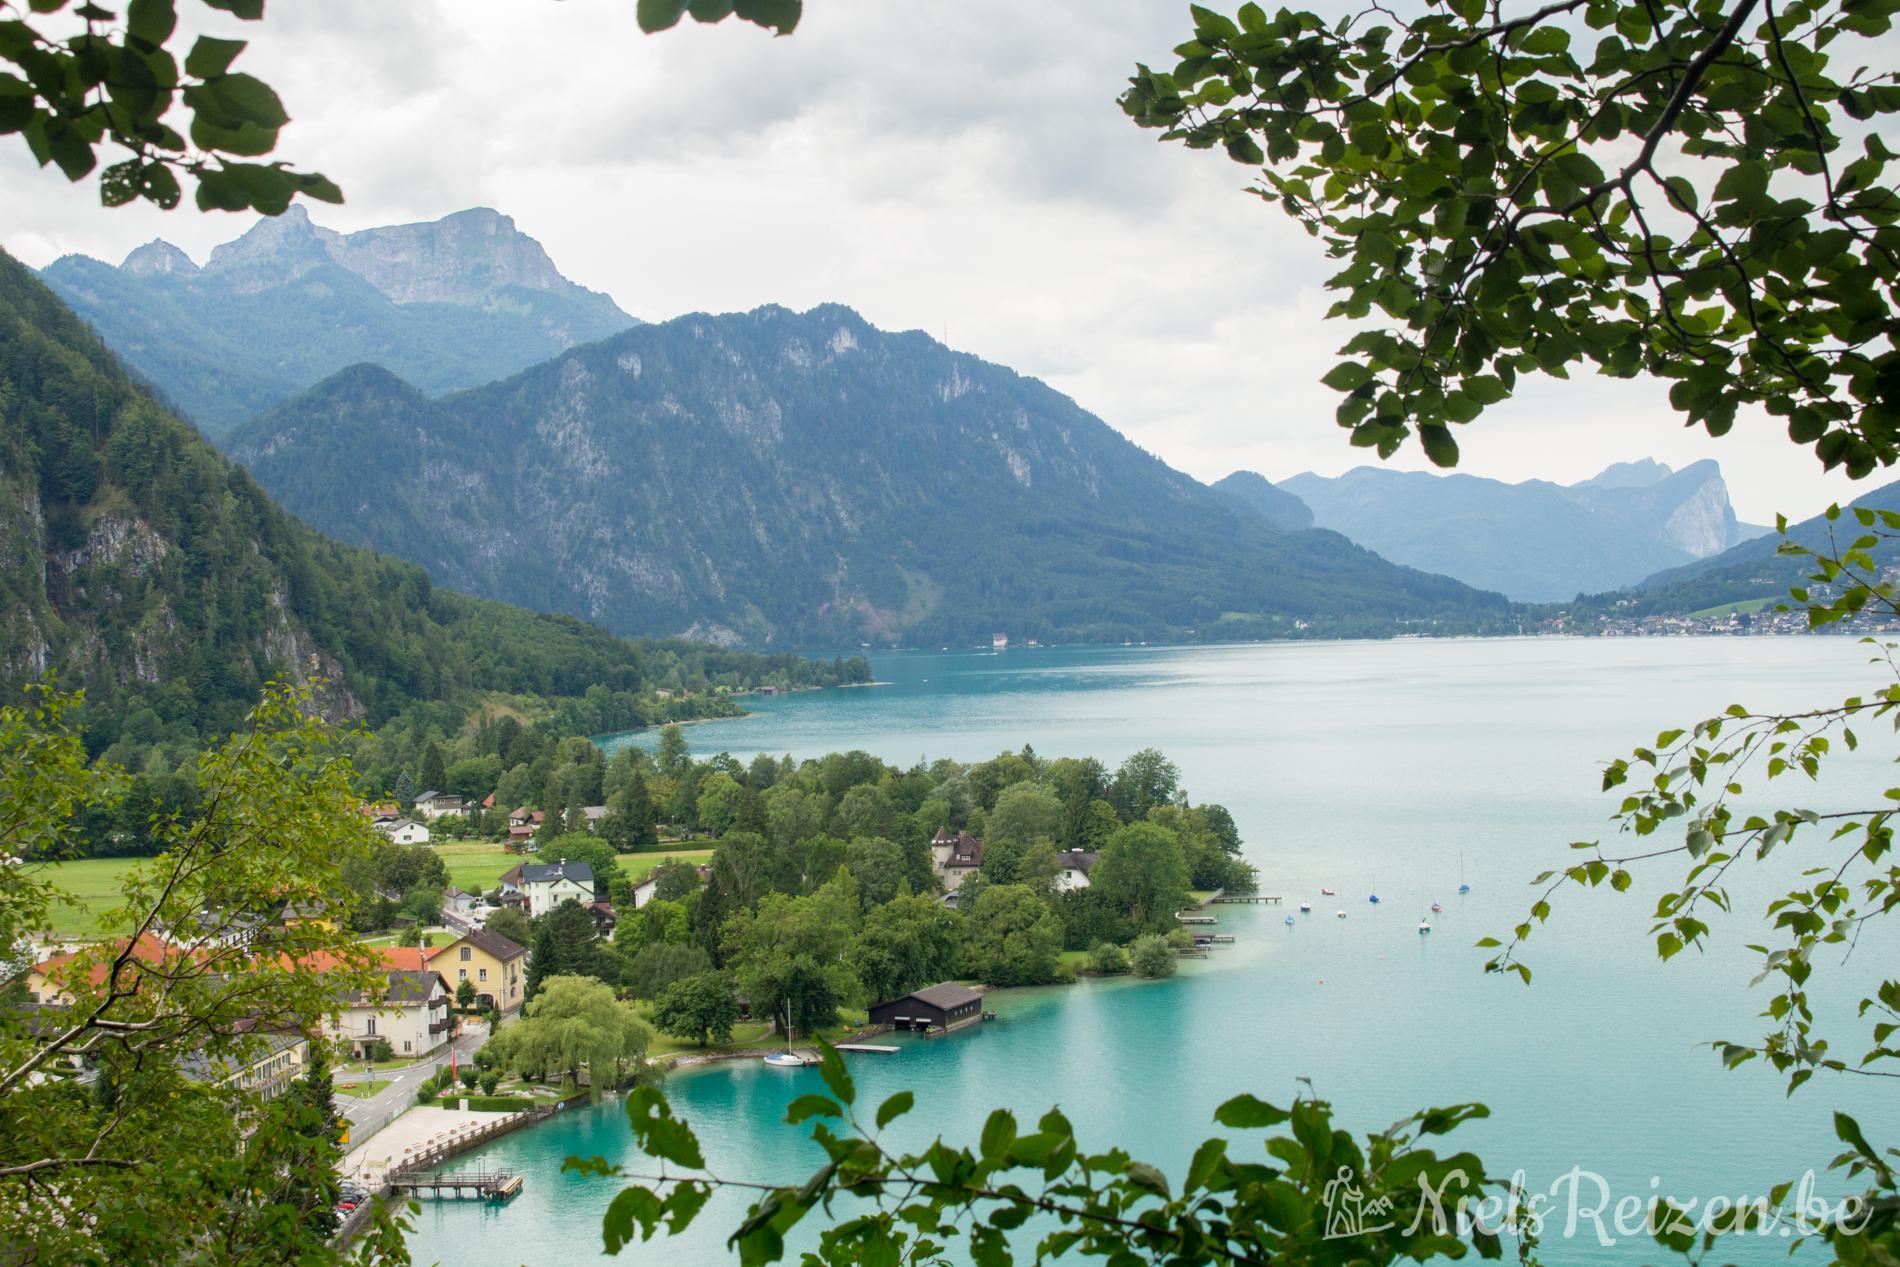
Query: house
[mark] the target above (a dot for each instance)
(382, 811)
(937, 1008)
(497, 966)
(268, 1070)
(1075, 866)
(955, 858)
(547, 885)
(309, 913)
(434, 804)
(593, 814)
(410, 1012)
(525, 817)
(604, 917)
(54, 981)
(404, 831)
(643, 892)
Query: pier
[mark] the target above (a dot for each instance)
(1235, 899)
(1186, 918)
(870, 1047)
(492, 1185)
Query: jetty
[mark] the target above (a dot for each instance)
(1186, 918)
(1236, 899)
(492, 1185)
(876, 1048)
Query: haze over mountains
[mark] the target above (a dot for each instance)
(1534, 541)
(452, 303)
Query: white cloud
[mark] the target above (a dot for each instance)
(952, 165)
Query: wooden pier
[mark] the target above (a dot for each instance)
(1236, 899)
(1185, 918)
(491, 1185)
(870, 1047)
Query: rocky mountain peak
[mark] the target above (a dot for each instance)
(158, 258)
(1642, 473)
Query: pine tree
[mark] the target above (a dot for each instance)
(434, 770)
(553, 821)
(641, 833)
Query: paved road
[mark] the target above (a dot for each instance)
(368, 1114)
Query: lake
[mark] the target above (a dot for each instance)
(1398, 768)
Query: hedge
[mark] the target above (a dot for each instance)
(493, 1103)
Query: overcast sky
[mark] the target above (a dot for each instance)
(958, 166)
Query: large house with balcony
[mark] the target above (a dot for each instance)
(410, 1013)
(540, 887)
(496, 966)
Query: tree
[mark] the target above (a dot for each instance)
(1106, 959)
(564, 945)
(793, 814)
(434, 771)
(511, 924)
(177, 1163)
(630, 819)
(1025, 813)
(1673, 201)
(582, 846)
(718, 802)
(703, 1008)
(1145, 780)
(673, 880)
(1141, 871)
(1011, 937)
(674, 756)
(659, 964)
(1151, 956)
(878, 866)
(790, 956)
(574, 1023)
(465, 994)
(906, 944)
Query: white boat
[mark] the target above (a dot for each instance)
(786, 1060)
(1339, 914)
(1424, 927)
(1305, 907)
(1327, 892)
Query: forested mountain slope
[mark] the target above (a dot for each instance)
(451, 303)
(778, 478)
(141, 564)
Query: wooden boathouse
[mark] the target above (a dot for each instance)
(934, 1009)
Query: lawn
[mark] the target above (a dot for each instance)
(1745, 605)
(94, 882)
(477, 865)
(746, 1034)
(440, 937)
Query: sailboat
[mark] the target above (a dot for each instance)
(1462, 886)
(1305, 907)
(1437, 909)
(1340, 914)
(1328, 892)
(1289, 921)
(1424, 926)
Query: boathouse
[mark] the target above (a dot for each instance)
(939, 1007)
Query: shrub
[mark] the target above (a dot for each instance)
(499, 1103)
(470, 1076)
(1107, 959)
(381, 1050)
(425, 1094)
(1152, 956)
(490, 1080)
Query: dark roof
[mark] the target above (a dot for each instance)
(405, 985)
(547, 873)
(965, 851)
(502, 948)
(1080, 859)
(429, 795)
(947, 995)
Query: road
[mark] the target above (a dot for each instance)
(367, 1115)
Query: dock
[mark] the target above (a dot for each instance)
(1185, 918)
(876, 1048)
(1236, 899)
(492, 1185)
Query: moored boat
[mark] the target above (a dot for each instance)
(787, 1060)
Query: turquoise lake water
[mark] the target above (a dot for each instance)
(1393, 768)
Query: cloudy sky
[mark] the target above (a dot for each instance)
(958, 166)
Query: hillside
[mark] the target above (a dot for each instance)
(783, 479)
(1753, 569)
(459, 301)
(136, 561)
(1535, 541)
(1256, 495)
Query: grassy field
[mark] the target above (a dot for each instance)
(477, 865)
(1746, 605)
(441, 938)
(473, 864)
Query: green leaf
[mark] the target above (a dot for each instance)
(152, 21)
(809, 1106)
(1246, 1112)
(999, 1132)
(1347, 376)
(211, 57)
(781, 15)
(659, 15)
(831, 1067)
(1439, 445)
(894, 1108)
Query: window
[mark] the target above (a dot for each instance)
(481, 974)
(465, 954)
(372, 1027)
(461, 974)
(405, 1044)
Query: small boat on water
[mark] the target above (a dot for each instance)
(1373, 898)
(1328, 892)
(786, 1060)
(1339, 914)
(1437, 909)
(1305, 907)
(1424, 927)
(1464, 888)
(1289, 921)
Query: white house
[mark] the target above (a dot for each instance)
(643, 892)
(955, 858)
(404, 831)
(410, 1013)
(545, 886)
(436, 804)
(1075, 864)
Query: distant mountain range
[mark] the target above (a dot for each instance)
(1535, 541)
(460, 301)
(776, 478)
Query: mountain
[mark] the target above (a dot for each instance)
(780, 478)
(1753, 569)
(1275, 505)
(1535, 541)
(459, 301)
(139, 563)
